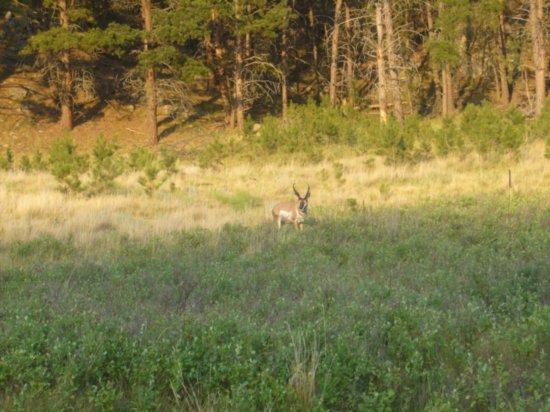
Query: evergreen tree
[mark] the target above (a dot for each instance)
(74, 28)
(445, 49)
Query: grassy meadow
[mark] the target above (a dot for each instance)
(412, 287)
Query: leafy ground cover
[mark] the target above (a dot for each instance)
(438, 306)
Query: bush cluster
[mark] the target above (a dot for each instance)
(484, 129)
(67, 165)
(155, 170)
(35, 163)
(91, 175)
(6, 162)
(490, 130)
(106, 166)
(541, 128)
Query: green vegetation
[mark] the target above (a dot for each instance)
(107, 167)
(35, 163)
(156, 169)
(490, 130)
(310, 129)
(6, 162)
(67, 165)
(443, 306)
(71, 168)
(240, 201)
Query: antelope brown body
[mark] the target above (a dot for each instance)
(294, 212)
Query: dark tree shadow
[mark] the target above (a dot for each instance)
(40, 110)
(475, 91)
(87, 114)
(200, 110)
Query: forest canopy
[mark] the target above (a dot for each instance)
(398, 58)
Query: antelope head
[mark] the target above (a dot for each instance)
(294, 212)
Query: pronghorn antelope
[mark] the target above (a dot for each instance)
(294, 212)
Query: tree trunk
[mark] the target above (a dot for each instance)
(392, 60)
(502, 68)
(382, 88)
(210, 59)
(66, 89)
(150, 78)
(498, 85)
(284, 70)
(238, 100)
(247, 36)
(447, 81)
(334, 54)
(435, 72)
(220, 70)
(239, 104)
(315, 52)
(350, 81)
(536, 17)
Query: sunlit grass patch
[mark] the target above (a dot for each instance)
(244, 194)
(240, 201)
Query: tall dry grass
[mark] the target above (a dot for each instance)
(31, 205)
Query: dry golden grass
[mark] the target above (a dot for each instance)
(32, 206)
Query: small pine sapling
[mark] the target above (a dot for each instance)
(168, 160)
(25, 164)
(67, 166)
(38, 162)
(107, 166)
(139, 159)
(152, 179)
(6, 163)
(156, 169)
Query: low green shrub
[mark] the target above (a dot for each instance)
(107, 166)
(448, 138)
(6, 162)
(67, 165)
(36, 163)
(25, 164)
(308, 126)
(540, 127)
(139, 159)
(216, 152)
(394, 144)
(156, 170)
(168, 160)
(152, 178)
(490, 130)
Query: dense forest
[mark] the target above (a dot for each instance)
(258, 57)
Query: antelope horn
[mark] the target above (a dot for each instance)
(308, 192)
(295, 191)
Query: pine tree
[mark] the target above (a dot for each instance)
(444, 50)
(536, 21)
(334, 53)
(74, 29)
(381, 64)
